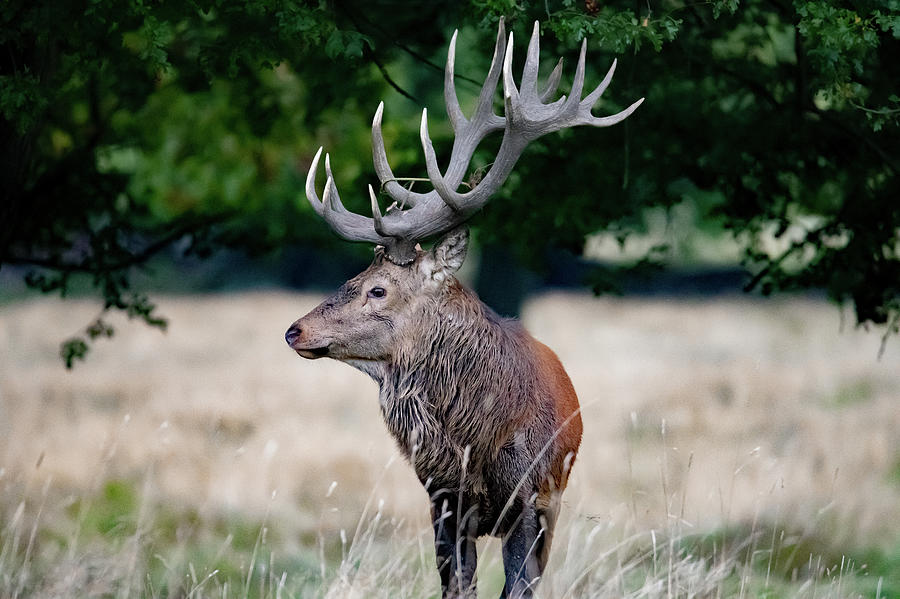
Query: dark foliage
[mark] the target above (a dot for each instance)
(128, 129)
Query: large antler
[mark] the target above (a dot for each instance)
(417, 216)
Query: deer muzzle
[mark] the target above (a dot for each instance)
(305, 347)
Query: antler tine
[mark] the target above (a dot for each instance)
(592, 97)
(434, 171)
(606, 121)
(552, 81)
(454, 112)
(584, 116)
(578, 81)
(311, 196)
(399, 193)
(510, 93)
(330, 215)
(532, 61)
(332, 197)
(376, 213)
(586, 105)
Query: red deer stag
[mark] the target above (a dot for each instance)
(484, 412)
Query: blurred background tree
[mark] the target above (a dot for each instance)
(130, 130)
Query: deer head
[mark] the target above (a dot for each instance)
(364, 320)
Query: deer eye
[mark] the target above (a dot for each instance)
(377, 292)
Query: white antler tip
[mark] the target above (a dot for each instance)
(508, 82)
(612, 70)
(311, 180)
(451, 53)
(315, 162)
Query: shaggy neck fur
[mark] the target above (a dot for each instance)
(457, 382)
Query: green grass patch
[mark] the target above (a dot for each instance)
(774, 562)
(113, 512)
(853, 392)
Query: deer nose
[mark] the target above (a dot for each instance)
(292, 334)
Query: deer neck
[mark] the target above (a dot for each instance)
(444, 351)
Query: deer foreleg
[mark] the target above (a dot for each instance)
(454, 544)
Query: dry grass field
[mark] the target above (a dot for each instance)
(733, 448)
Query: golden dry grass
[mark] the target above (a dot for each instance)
(699, 416)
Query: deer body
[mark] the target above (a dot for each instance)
(483, 392)
(486, 414)
(490, 423)
(486, 389)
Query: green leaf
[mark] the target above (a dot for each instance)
(335, 47)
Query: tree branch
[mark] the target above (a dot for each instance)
(394, 41)
(92, 266)
(825, 115)
(390, 81)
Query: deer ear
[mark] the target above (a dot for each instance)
(447, 255)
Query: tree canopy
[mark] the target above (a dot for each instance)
(128, 128)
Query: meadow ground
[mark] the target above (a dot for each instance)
(732, 448)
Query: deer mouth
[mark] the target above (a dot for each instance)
(311, 353)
